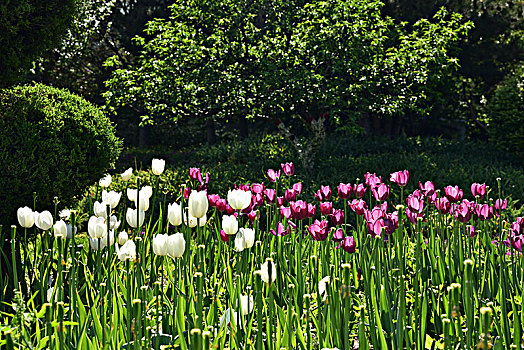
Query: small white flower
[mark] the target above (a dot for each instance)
(244, 239)
(193, 221)
(131, 218)
(64, 214)
(198, 203)
(246, 303)
(111, 197)
(322, 287)
(94, 242)
(105, 181)
(100, 209)
(96, 227)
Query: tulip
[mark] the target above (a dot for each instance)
(70, 230)
(131, 217)
(239, 199)
(265, 271)
(413, 216)
(462, 212)
(359, 190)
(257, 200)
(224, 236)
(298, 210)
(454, 193)
(198, 204)
(60, 229)
(123, 238)
(213, 198)
(401, 178)
(221, 204)
(157, 166)
(126, 175)
(252, 216)
(478, 190)
(101, 242)
(230, 317)
(380, 192)
(192, 221)
(348, 244)
(270, 195)
(358, 206)
(297, 188)
(111, 197)
(375, 228)
(290, 195)
(44, 220)
(229, 224)
(99, 209)
(160, 245)
(326, 208)
(501, 204)
(288, 168)
(244, 239)
(376, 213)
(273, 175)
(258, 188)
(285, 213)
(174, 214)
(311, 210)
(26, 217)
(319, 230)
(324, 193)
(280, 230)
(372, 180)
(344, 190)
(484, 212)
(443, 205)
(428, 188)
(229, 210)
(187, 192)
(96, 227)
(105, 181)
(195, 174)
(127, 252)
(472, 232)
(50, 292)
(337, 217)
(146, 192)
(64, 214)
(322, 287)
(415, 204)
(280, 201)
(247, 304)
(338, 235)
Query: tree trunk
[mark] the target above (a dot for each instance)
(377, 127)
(243, 128)
(397, 125)
(143, 136)
(211, 134)
(365, 122)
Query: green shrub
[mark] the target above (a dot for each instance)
(507, 115)
(53, 143)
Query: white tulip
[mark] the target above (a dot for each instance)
(193, 221)
(94, 242)
(176, 245)
(127, 252)
(174, 214)
(60, 229)
(144, 203)
(244, 239)
(50, 295)
(70, 230)
(198, 203)
(114, 223)
(131, 217)
(157, 166)
(322, 287)
(111, 197)
(264, 271)
(131, 194)
(247, 303)
(96, 227)
(228, 317)
(122, 237)
(126, 175)
(105, 181)
(229, 224)
(26, 217)
(239, 199)
(146, 192)
(64, 214)
(160, 245)
(44, 220)
(99, 209)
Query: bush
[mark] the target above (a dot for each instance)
(53, 143)
(507, 115)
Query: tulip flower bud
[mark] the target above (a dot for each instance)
(123, 237)
(112, 198)
(239, 199)
(174, 214)
(198, 204)
(105, 181)
(176, 245)
(160, 244)
(127, 252)
(131, 217)
(229, 224)
(157, 166)
(268, 271)
(246, 303)
(244, 239)
(60, 229)
(43, 220)
(126, 175)
(26, 217)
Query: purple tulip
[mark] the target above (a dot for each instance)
(344, 190)
(443, 205)
(319, 230)
(428, 188)
(288, 168)
(381, 192)
(221, 204)
(358, 206)
(258, 188)
(375, 227)
(285, 213)
(401, 178)
(187, 192)
(252, 215)
(415, 204)
(224, 236)
(297, 188)
(454, 193)
(517, 227)
(413, 216)
(376, 213)
(290, 195)
(372, 180)
(359, 190)
(273, 175)
(230, 210)
(270, 195)
(484, 212)
(478, 190)
(462, 212)
(338, 235)
(298, 209)
(257, 200)
(280, 230)
(501, 204)
(311, 210)
(323, 194)
(348, 244)
(326, 208)
(337, 217)
(280, 201)
(213, 198)
(195, 174)
(470, 231)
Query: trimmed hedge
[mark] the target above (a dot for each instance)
(52, 142)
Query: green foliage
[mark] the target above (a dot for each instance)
(53, 143)
(28, 29)
(507, 114)
(267, 59)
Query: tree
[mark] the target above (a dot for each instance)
(28, 29)
(269, 58)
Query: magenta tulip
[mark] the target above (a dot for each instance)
(381, 192)
(372, 180)
(470, 231)
(501, 204)
(221, 204)
(270, 195)
(290, 195)
(326, 208)
(428, 188)
(195, 174)
(252, 215)
(359, 190)
(412, 217)
(401, 178)
(484, 212)
(338, 235)
(273, 175)
(376, 227)
(462, 212)
(348, 244)
(213, 198)
(224, 236)
(337, 217)
(319, 230)
(298, 210)
(311, 210)
(258, 188)
(257, 200)
(323, 194)
(229, 210)
(285, 213)
(280, 201)
(187, 192)
(415, 204)
(297, 188)
(443, 205)
(358, 206)
(288, 168)
(454, 193)
(344, 190)
(280, 230)
(478, 190)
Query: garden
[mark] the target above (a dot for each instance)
(267, 175)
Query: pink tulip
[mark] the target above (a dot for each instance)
(285, 213)
(230, 210)
(344, 190)
(391, 222)
(257, 200)
(415, 204)
(375, 227)
(484, 212)
(258, 188)
(187, 192)
(280, 201)
(326, 208)
(462, 212)
(454, 193)
(517, 227)
(298, 210)
(288, 168)
(213, 198)
(376, 213)
(501, 204)
(358, 206)
(252, 215)
(221, 204)
(195, 174)
(224, 236)
(337, 217)
(372, 180)
(297, 188)
(270, 195)
(478, 190)
(428, 188)
(348, 244)
(413, 216)
(323, 194)
(273, 175)
(319, 230)
(470, 231)
(381, 192)
(359, 190)
(290, 195)
(311, 210)
(338, 235)
(443, 205)
(280, 230)
(401, 178)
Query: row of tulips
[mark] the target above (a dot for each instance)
(263, 268)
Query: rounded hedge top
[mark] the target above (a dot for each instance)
(52, 142)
